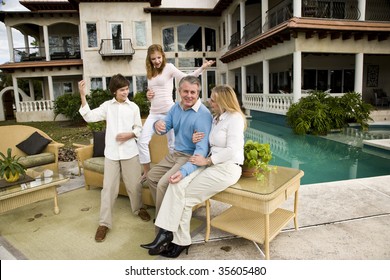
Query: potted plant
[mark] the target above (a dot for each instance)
(256, 158)
(10, 167)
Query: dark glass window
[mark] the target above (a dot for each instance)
(189, 37)
(168, 40)
(92, 35)
(210, 39)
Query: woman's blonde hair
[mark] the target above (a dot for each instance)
(150, 70)
(226, 99)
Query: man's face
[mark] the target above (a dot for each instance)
(121, 94)
(189, 94)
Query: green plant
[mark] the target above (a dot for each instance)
(320, 112)
(10, 167)
(97, 126)
(143, 103)
(98, 97)
(68, 105)
(257, 157)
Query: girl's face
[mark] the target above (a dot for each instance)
(121, 94)
(156, 58)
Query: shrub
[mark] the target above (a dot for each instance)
(319, 112)
(68, 105)
(143, 103)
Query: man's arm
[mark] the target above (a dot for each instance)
(203, 124)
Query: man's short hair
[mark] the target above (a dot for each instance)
(116, 82)
(192, 80)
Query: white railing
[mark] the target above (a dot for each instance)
(36, 106)
(273, 103)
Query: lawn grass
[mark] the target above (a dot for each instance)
(65, 132)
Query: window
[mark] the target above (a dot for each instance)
(141, 83)
(338, 81)
(116, 37)
(224, 34)
(61, 88)
(96, 83)
(211, 81)
(210, 39)
(92, 35)
(168, 40)
(189, 37)
(140, 33)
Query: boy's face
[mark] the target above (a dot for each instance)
(121, 94)
(189, 94)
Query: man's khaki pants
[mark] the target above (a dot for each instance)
(158, 176)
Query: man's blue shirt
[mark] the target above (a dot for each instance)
(185, 122)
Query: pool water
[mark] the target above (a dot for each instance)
(322, 159)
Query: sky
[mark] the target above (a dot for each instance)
(10, 5)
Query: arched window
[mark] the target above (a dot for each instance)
(190, 38)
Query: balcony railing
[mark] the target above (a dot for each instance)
(38, 54)
(334, 9)
(29, 54)
(278, 14)
(116, 48)
(252, 29)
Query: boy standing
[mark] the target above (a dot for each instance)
(123, 125)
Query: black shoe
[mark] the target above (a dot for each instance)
(175, 251)
(161, 249)
(164, 237)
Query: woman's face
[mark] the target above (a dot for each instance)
(156, 58)
(214, 105)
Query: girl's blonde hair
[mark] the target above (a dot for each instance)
(150, 70)
(226, 99)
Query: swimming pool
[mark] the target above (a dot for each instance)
(322, 159)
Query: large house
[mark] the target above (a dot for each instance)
(272, 52)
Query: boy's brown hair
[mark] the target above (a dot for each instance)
(116, 82)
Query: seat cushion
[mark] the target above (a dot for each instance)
(94, 164)
(37, 160)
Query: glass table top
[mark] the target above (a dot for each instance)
(274, 179)
(36, 183)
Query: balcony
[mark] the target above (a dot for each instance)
(331, 9)
(116, 49)
(38, 54)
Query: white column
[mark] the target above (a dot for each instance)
(265, 83)
(264, 9)
(81, 44)
(362, 9)
(31, 87)
(229, 29)
(16, 93)
(230, 78)
(243, 83)
(297, 75)
(26, 44)
(46, 39)
(359, 59)
(10, 44)
(51, 88)
(297, 8)
(242, 20)
(266, 77)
